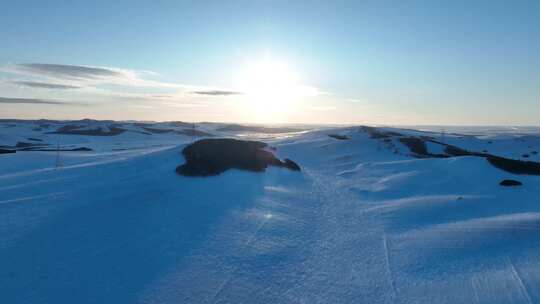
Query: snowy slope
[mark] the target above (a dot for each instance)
(364, 222)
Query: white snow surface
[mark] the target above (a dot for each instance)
(362, 222)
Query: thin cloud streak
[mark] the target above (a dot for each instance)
(88, 75)
(44, 85)
(30, 101)
(217, 93)
(68, 71)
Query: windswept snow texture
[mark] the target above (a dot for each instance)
(365, 221)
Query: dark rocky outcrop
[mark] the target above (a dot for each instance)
(78, 149)
(208, 157)
(514, 166)
(158, 131)
(339, 137)
(416, 145)
(82, 149)
(6, 151)
(187, 132)
(456, 151)
(77, 130)
(376, 133)
(451, 150)
(289, 164)
(22, 145)
(418, 148)
(510, 183)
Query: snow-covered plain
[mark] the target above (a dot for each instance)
(364, 222)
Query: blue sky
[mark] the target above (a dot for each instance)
(393, 62)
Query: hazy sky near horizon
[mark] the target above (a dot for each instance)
(391, 62)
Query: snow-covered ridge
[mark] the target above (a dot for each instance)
(103, 135)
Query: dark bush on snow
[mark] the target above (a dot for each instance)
(213, 156)
(339, 137)
(510, 182)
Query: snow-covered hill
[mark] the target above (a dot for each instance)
(371, 218)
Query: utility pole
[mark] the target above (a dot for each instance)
(193, 134)
(443, 135)
(58, 162)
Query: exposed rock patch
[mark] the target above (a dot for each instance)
(514, 166)
(418, 148)
(77, 130)
(376, 133)
(23, 145)
(79, 149)
(456, 151)
(6, 151)
(208, 157)
(42, 149)
(188, 132)
(158, 131)
(416, 145)
(289, 164)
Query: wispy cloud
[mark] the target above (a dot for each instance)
(82, 76)
(92, 78)
(30, 101)
(216, 92)
(44, 85)
(98, 85)
(68, 71)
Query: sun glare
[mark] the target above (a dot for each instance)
(271, 90)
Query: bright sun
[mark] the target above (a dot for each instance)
(271, 90)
